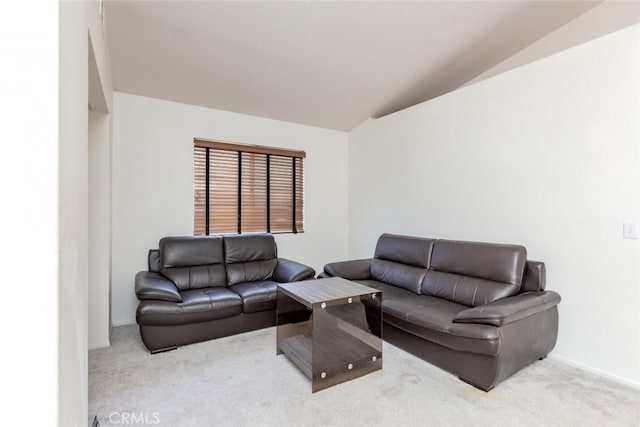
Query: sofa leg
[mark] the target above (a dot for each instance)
(476, 385)
(543, 357)
(163, 349)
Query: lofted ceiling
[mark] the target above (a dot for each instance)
(326, 64)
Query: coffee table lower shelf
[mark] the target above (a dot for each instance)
(331, 359)
(298, 350)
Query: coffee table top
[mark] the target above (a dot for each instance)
(311, 292)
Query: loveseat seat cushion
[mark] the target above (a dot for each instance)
(193, 262)
(257, 296)
(474, 273)
(249, 257)
(198, 305)
(432, 319)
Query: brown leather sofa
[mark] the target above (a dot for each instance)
(205, 287)
(477, 310)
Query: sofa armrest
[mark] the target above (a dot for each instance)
(291, 271)
(358, 269)
(152, 286)
(510, 309)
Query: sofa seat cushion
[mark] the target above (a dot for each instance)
(198, 305)
(257, 296)
(432, 319)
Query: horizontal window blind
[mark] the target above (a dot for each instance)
(242, 188)
(281, 191)
(253, 201)
(199, 190)
(299, 196)
(222, 180)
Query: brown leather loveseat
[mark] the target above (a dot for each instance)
(204, 287)
(478, 310)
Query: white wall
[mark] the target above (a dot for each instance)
(99, 230)
(100, 104)
(29, 214)
(100, 47)
(546, 155)
(73, 215)
(153, 183)
(79, 26)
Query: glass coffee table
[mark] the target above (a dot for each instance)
(330, 329)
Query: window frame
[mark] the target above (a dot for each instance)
(297, 186)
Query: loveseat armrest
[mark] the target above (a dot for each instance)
(291, 271)
(152, 286)
(510, 309)
(357, 269)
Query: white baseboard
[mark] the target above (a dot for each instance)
(590, 369)
(102, 344)
(124, 322)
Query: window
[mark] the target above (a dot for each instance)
(243, 188)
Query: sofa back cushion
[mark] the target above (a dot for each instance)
(402, 261)
(249, 257)
(474, 273)
(193, 262)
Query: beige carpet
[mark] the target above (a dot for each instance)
(239, 381)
